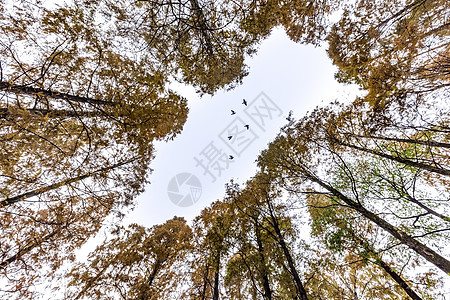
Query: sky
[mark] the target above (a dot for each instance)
(191, 171)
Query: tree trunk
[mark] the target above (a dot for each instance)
(6, 114)
(31, 91)
(262, 260)
(152, 276)
(39, 191)
(300, 289)
(409, 141)
(427, 209)
(216, 276)
(403, 284)
(403, 11)
(205, 283)
(216, 285)
(401, 190)
(421, 249)
(378, 261)
(30, 246)
(399, 159)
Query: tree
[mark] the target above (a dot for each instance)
(392, 48)
(354, 239)
(36, 242)
(85, 91)
(415, 141)
(248, 271)
(304, 21)
(303, 155)
(415, 134)
(258, 204)
(77, 121)
(212, 231)
(138, 263)
(198, 42)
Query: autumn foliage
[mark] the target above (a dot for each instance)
(349, 202)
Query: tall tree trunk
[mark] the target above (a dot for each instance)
(402, 283)
(216, 276)
(378, 261)
(39, 191)
(398, 15)
(6, 114)
(399, 159)
(404, 140)
(30, 246)
(262, 260)
(421, 249)
(293, 270)
(152, 275)
(31, 91)
(427, 209)
(401, 190)
(205, 283)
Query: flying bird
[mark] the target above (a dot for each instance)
(231, 156)
(244, 102)
(247, 126)
(230, 137)
(233, 112)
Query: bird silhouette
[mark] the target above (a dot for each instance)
(233, 112)
(231, 156)
(230, 137)
(247, 126)
(244, 102)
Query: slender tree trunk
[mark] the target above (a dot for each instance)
(403, 11)
(31, 91)
(435, 31)
(399, 159)
(252, 277)
(262, 260)
(30, 246)
(427, 209)
(403, 284)
(401, 190)
(298, 283)
(216, 285)
(378, 261)
(39, 191)
(421, 249)
(6, 114)
(293, 270)
(152, 275)
(409, 141)
(205, 284)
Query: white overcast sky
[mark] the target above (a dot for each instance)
(293, 76)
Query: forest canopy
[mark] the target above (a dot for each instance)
(85, 92)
